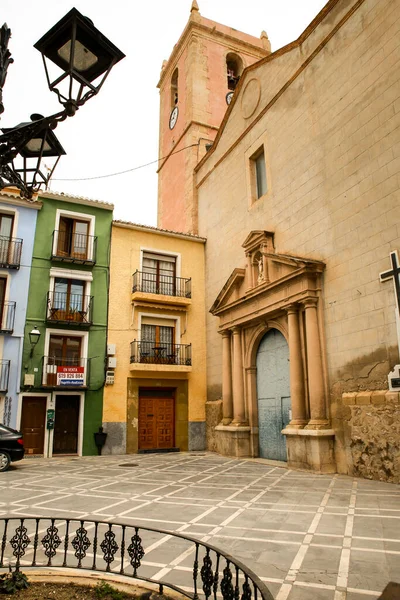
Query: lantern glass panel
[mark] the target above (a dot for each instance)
(84, 59)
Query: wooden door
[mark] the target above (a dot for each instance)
(66, 425)
(156, 423)
(273, 393)
(33, 422)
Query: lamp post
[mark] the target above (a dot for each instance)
(77, 58)
(34, 337)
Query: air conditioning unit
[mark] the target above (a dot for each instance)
(109, 377)
(111, 362)
(111, 349)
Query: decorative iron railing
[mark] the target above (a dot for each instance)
(202, 570)
(74, 247)
(161, 354)
(151, 283)
(4, 374)
(75, 309)
(10, 252)
(7, 317)
(65, 372)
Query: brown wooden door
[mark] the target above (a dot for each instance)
(156, 423)
(66, 425)
(33, 422)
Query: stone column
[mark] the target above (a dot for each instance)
(227, 401)
(315, 374)
(297, 394)
(238, 386)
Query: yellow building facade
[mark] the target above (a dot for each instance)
(156, 367)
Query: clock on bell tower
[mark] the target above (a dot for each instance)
(196, 85)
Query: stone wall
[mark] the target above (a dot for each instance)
(373, 433)
(213, 418)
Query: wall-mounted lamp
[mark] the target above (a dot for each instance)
(34, 337)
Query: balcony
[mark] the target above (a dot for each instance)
(162, 354)
(7, 317)
(165, 285)
(65, 373)
(10, 252)
(69, 309)
(76, 248)
(4, 374)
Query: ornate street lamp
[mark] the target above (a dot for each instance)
(24, 170)
(34, 337)
(85, 57)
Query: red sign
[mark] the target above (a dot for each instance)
(70, 375)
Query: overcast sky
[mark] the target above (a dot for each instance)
(118, 129)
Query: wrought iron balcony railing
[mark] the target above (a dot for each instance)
(151, 283)
(65, 372)
(161, 354)
(7, 317)
(73, 309)
(10, 252)
(4, 374)
(207, 572)
(74, 247)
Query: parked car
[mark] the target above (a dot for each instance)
(11, 446)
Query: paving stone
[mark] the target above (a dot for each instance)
(287, 526)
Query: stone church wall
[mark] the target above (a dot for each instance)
(331, 140)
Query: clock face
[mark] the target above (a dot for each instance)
(228, 97)
(173, 117)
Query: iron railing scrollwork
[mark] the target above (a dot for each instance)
(10, 252)
(65, 372)
(74, 247)
(161, 353)
(167, 285)
(64, 307)
(75, 543)
(7, 317)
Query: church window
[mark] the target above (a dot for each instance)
(174, 89)
(234, 68)
(259, 173)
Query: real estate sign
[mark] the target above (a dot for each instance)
(71, 376)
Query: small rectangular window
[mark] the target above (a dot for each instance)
(260, 175)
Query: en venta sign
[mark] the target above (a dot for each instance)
(70, 375)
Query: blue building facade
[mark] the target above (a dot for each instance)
(17, 233)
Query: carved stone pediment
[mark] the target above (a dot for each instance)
(231, 290)
(269, 282)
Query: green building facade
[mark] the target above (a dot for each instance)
(64, 368)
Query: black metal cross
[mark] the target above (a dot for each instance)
(395, 273)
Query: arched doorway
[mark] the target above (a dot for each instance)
(273, 394)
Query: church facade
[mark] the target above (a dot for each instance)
(297, 196)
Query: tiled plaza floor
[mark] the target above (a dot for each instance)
(307, 536)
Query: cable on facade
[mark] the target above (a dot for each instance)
(127, 170)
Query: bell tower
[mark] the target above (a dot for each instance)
(196, 86)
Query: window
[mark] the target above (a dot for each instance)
(159, 274)
(260, 174)
(174, 89)
(157, 343)
(234, 68)
(6, 227)
(64, 351)
(73, 238)
(68, 301)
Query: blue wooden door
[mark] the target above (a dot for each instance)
(273, 394)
